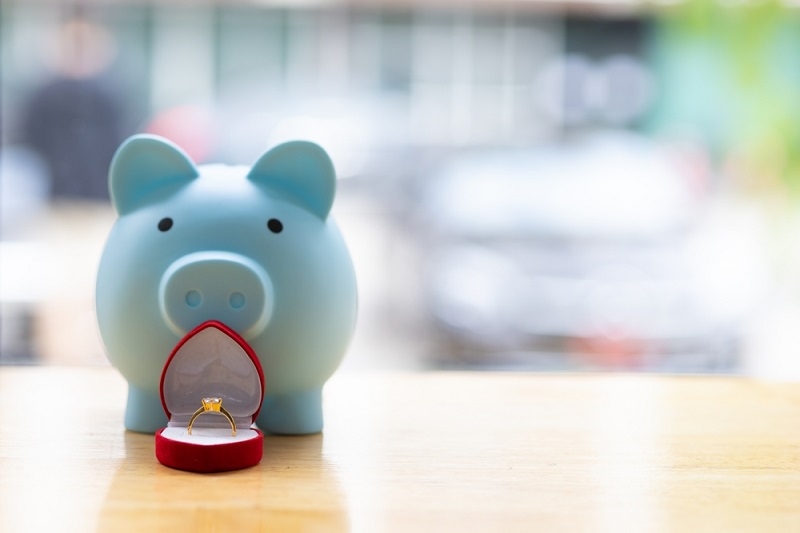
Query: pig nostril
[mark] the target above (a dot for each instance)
(193, 298)
(237, 300)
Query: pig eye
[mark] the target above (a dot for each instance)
(165, 224)
(275, 225)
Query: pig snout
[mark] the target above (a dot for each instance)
(221, 286)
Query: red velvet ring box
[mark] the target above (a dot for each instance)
(211, 361)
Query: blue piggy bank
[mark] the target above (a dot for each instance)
(254, 249)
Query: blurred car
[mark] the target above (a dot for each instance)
(583, 255)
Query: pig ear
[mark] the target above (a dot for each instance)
(144, 165)
(303, 170)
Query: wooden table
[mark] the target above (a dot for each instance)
(421, 452)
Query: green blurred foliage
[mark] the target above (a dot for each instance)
(729, 76)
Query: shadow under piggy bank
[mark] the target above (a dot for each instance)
(292, 488)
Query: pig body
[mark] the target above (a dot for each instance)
(252, 248)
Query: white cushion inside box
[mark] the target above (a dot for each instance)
(205, 436)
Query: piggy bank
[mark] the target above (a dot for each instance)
(252, 249)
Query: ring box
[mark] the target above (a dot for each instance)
(211, 361)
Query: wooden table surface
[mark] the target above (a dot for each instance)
(421, 452)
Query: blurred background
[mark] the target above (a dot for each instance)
(547, 185)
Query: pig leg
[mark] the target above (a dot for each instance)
(144, 412)
(296, 413)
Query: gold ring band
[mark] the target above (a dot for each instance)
(213, 405)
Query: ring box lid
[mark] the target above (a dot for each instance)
(212, 361)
